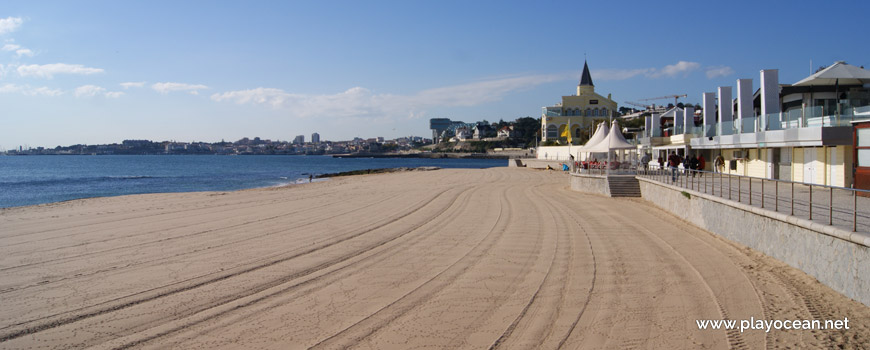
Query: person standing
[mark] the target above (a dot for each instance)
(702, 164)
(693, 164)
(644, 162)
(719, 164)
(673, 162)
(572, 163)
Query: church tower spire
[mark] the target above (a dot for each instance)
(585, 86)
(586, 78)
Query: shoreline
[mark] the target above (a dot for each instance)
(297, 182)
(41, 180)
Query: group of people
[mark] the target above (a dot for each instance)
(691, 164)
(694, 165)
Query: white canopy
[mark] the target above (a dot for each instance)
(846, 74)
(614, 140)
(599, 135)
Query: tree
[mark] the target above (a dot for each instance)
(527, 130)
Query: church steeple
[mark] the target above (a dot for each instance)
(586, 78)
(585, 87)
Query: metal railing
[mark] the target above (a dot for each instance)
(836, 206)
(616, 168)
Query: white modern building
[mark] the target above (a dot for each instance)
(801, 132)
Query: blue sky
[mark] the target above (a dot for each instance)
(104, 71)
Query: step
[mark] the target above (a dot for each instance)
(623, 187)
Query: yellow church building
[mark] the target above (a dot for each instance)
(579, 110)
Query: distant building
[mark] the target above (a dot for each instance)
(507, 132)
(580, 109)
(438, 126)
(300, 139)
(444, 128)
(482, 130)
(315, 138)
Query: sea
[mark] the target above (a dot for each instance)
(30, 180)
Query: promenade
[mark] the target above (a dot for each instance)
(506, 258)
(835, 207)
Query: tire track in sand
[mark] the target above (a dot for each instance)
(49, 322)
(222, 309)
(377, 320)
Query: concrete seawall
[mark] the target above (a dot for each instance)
(590, 184)
(837, 258)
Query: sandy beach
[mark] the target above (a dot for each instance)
(473, 259)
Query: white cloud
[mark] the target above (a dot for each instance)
(269, 96)
(93, 90)
(19, 51)
(10, 24)
(720, 71)
(9, 88)
(89, 91)
(49, 70)
(361, 102)
(131, 84)
(619, 74)
(45, 91)
(24, 52)
(672, 70)
(30, 91)
(669, 71)
(165, 88)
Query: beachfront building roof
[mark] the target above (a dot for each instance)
(576, 112)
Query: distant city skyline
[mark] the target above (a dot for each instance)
(100, 72)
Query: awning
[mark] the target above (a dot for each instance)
(838, 73)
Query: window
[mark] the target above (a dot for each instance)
(577, 133)
(604, 112)
(864, 157)
(551, 132)
(595, 112)
(588, 112)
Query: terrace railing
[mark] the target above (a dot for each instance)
(842, 207)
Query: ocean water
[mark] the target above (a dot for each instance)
(29, 180)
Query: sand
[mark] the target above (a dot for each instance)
(497, 258)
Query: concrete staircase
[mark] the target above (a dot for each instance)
(623, 186)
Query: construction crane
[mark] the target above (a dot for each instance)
(675, 97)
(637, 104)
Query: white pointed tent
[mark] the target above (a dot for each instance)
(613, 141)
(599, 135)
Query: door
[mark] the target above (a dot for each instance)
(770, 164)
(862, 157)
(833, 172)
(810, 165)
(784, 164)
